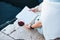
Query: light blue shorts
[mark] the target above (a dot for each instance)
(40, 30)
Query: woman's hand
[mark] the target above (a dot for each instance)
(35, 10)
(27, 26)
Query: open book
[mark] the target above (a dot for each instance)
(26, 16)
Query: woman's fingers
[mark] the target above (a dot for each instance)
(27, 26)
(34, 10)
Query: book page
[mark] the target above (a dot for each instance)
(26, 15)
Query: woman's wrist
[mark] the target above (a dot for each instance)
(31, 27)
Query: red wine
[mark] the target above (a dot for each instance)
(21, 23)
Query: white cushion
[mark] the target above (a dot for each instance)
(50, 18)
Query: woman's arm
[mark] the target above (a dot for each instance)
(36, 25)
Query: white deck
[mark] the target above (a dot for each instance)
(19, 33)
